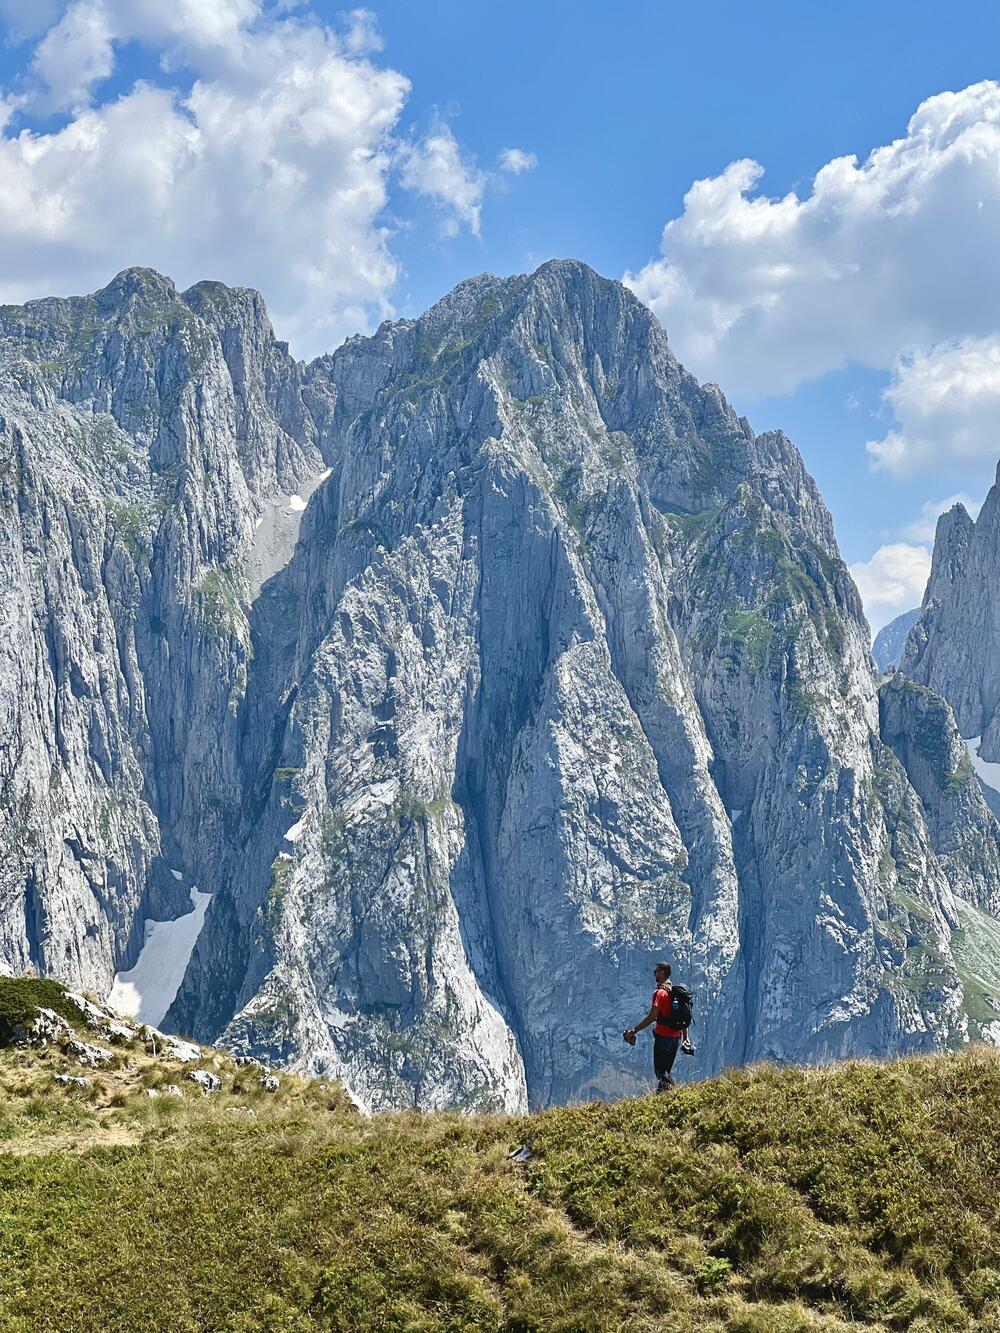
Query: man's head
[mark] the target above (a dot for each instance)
(662, 973)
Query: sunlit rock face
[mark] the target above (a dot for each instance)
(564, 675)
(140, 431)
(955, 645)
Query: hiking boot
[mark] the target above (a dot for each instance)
(665, 1084)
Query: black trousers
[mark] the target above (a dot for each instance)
(664, 1055)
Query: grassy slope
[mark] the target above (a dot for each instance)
(764, 1201)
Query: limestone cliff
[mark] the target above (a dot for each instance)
(565, 674)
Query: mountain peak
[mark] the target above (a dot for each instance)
(143, 283)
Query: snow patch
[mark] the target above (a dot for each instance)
(336, 1019)
(735, 816)
(297, 503)
(295, 832)
(147, 990)
(989, 773)
(177, 875)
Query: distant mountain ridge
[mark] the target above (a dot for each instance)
(890, 641)
(954, 645)
(564, 674)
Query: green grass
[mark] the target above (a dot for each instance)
(219, 602)
(763, 1201)
(752, 631)
(130, 528)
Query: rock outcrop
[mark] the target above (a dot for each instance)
(955, 646)
(565, 674)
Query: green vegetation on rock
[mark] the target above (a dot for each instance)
(130, 528)
(691, 525)
(751, 630)
(22, 997)
(976, 946)
(219, 602)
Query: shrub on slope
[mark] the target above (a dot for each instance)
(22, 997)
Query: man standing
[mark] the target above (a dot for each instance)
(666, 1037)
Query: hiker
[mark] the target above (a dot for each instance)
(670, 1013)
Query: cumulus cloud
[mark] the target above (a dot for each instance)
(946, 405)
(362, 37)
(75, 55)
(272, 170)
(898, 251)
(435, 167)
(892, 581)
(262, 153)
(516, 160)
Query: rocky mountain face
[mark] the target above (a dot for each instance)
(955, 646)
(563, 674)
(890, 641)
(139, 430)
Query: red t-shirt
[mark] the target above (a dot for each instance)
(661, 1003)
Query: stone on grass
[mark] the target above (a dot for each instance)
(206, 1081)
(88, 1054)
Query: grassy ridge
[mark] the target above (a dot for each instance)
(765, 1201)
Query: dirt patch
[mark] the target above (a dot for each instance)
(74, 1142)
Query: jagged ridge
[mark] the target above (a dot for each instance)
(565, 673)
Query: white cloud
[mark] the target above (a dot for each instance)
(75, 55)
(362, 37)
(892, 581)
(922, 529)
(263, 154)
(435, 167)
(946, 404)
(896, 252)
(271, 171)
(516, 160)
(77, 52)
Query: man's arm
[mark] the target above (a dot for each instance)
(652, 1017)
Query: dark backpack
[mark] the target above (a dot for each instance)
(681, 1008)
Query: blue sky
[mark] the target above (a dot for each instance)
(351, 166)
